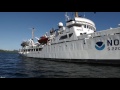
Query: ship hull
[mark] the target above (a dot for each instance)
(93, 50)
(83, 61)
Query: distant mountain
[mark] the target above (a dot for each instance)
(12, 51)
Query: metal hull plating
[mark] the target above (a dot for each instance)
(81, 50)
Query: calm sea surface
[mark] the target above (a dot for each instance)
(14, 66)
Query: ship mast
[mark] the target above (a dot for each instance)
(33, 34)
(76, 14)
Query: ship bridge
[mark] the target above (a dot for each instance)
(81, 25)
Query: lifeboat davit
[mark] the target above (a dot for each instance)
(43, 40)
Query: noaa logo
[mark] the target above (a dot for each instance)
(100, 45)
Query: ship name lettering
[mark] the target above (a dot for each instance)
(111, 42)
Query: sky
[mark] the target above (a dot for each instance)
(17, 26)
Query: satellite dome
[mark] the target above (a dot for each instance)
(60, 24)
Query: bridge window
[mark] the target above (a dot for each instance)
(78, 25)
(70, 35)
(63, 37)
(84, 26)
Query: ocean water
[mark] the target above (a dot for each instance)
(14, 66)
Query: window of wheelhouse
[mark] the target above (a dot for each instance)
(85, 26)
(70, 35)
(78, 25)
(63, 37)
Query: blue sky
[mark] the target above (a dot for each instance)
(16, 26)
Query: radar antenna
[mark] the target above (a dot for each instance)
(67, 17)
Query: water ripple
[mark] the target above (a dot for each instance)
(14, 66)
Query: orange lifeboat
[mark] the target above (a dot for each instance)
(43, 40)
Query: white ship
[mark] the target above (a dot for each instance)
(78, 41)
